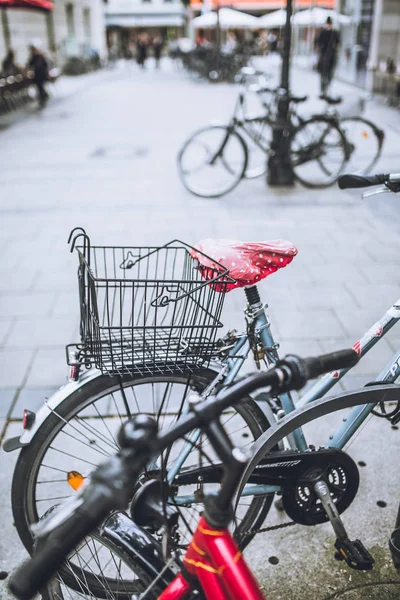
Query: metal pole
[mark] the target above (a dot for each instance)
(6, 28)
(50, 32)
(279, 169)
(218, 29)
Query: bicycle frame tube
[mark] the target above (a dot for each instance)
(390, 373)
(368, 341)
(262, 328)
(216, 562)
(360, 413)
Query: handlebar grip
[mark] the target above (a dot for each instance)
(358, 181)
(33, 574)
(319, 365)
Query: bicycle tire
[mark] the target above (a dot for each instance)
(312, 153)
(219, 144)
(25, 495)
(98, 584)
(368, 130)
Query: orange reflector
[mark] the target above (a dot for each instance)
(75, 480)
(365, 134)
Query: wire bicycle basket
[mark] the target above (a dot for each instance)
(147, 310)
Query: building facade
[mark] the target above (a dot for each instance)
(69, 29)
(125, 19)
(261, 7)
(371, 41)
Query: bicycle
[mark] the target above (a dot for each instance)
(214, 159)
(66, 422)
(213, 563)
(208, 146)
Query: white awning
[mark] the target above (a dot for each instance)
(228, 19)
(273, 19)
(145, 20)
(315, 17)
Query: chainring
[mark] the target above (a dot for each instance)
(341, 475)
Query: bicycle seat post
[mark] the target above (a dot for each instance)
(253, 297)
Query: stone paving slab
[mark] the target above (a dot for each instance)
(15, 365)
(43, 332)
(6, 400)
(32, 399)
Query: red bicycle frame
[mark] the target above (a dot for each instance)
(216, 562)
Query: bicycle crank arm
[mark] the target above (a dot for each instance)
(353, 552)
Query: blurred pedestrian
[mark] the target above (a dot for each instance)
(201, 40)
(231, 44)
(113, 55)
(8, 66)
(327, 45)
(141, 49)
(158, 43)
(38, 64)
(262, 43)
(272, 40)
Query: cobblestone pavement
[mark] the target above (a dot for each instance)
(102, 156)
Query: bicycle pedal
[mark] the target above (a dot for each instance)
(355, 554)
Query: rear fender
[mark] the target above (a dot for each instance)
(50, 405)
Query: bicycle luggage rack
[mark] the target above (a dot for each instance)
(147, 310)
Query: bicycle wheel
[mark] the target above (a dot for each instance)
(213, 161)
(100, 569)
(366, 141)
(318, 152)
(82, 433)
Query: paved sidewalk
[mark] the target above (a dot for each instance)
(103, 157)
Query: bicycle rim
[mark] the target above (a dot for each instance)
(365, 141)
(212, 162)
(99, 569)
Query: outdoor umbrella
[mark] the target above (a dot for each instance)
(315, 17)
(273, 19)
(228, 19)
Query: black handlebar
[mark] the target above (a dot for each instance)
(343, 359)
(359, 181)
(111, 484)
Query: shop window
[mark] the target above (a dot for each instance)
(69, 12)
(87, 24)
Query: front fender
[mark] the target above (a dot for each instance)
(138, 545)
(47, 408)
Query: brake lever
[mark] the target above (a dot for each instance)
(381, 190)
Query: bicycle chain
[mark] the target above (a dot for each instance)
(270, 528)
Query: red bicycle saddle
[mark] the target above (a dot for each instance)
(248, 262)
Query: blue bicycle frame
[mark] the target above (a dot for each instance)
(262, 332)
